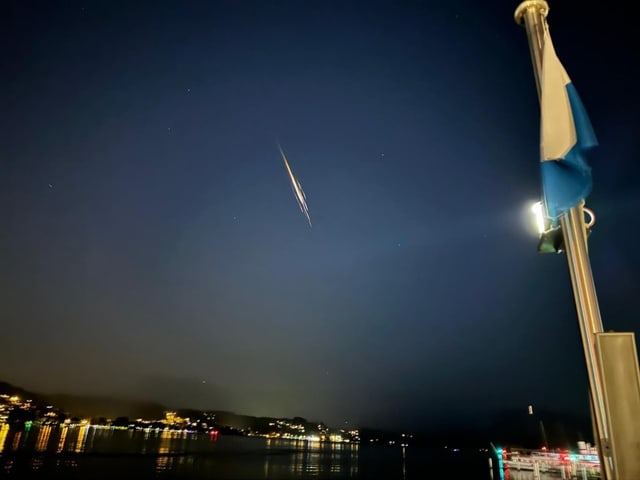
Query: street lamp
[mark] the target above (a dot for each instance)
(551, 238)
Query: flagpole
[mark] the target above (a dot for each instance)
(532, 14)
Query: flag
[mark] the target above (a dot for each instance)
(565, 136)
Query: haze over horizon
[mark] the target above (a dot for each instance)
(151, 246)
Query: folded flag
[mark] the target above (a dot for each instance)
(565, 136)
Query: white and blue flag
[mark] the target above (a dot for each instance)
(565, 136)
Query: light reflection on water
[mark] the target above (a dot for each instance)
(82, 438)
(4, 430)
(63, 438)
(310, 459)
(43, 439)
(94, 452)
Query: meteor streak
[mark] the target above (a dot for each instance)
(297, 188)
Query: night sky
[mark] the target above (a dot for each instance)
(151, 246)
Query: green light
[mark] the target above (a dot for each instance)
(552, 241)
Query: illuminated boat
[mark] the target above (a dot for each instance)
(551, 461)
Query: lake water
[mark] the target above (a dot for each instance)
(86, 452)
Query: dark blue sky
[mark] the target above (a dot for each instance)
(151, 246)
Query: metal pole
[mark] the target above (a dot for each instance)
(533, 13)
(544, 435)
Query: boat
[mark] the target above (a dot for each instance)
(585, 462)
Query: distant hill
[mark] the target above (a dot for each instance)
(85, 406)
(516, 428)
(9, 389)
(109, 407)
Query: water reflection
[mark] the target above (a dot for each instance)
(85, 451)
(42, 440)
(63, 438)
(16, 440)
(404, 462)
(164, 462)
(82, 438)
(4, 431)
(305, 458)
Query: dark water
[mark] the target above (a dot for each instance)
(100, 453)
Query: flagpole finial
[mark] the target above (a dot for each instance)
(540, 5)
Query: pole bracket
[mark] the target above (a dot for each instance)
(540, 5)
